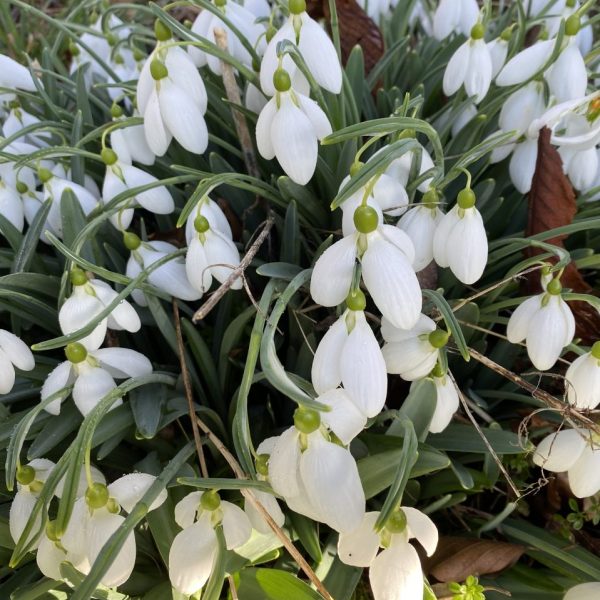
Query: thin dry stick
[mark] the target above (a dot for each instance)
(491, 450)
(236, 273)
(232, 588)
(187, 384)
(249, 495)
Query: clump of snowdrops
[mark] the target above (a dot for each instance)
(264, 332)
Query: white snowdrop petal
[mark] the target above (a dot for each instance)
(20, 511)
(11, 207)
(283, 464)
(14, 75)
(123, 316)
(145, 86)
(582, 382)
(422, 528)
(132, 270)
(90, 387)
(584, 475)
(318, 119)
(223, 257)
(59, 378)
(520, 320)
(522, 107)
(420, 224)
(446, 18)
(396, 573)
(330, 476)
(270, 504)
(391, 282)
(157, 200)
(359, 547)
(102, 525)
(170, 277)
(332, 274)
(559, 451)
(79, 310)
(187, 508)
(184, 75)
(16, 350)
(192, 556)
(264, 125)
(522, 164)
(457, 69)
(123, 362)
(129, 490)
(48, 558)
(196, 266)
(441, 236)
(584, 591)
(344, 418)
(526, 63)
(567, 78)
(294, 141)
(270, 61)
(236, 525)
(363, 368)
(157, 135)
(75, 537)
(467, 247)
(182, 117)
(325, 372)
(546, 335)
(411, 359)
(400, 239)
(479, 74)
(393, 334)
(447, 403)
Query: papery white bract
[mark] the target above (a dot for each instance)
(13, 353)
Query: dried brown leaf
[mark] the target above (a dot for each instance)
(457, 558)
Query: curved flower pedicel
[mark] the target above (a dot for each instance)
(395, 573)
(386, 255)
(195, 548)
(92, 374)
(13, 353)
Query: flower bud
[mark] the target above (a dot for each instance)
(281, 80)
(210, 500)
(396, 522)
(77, 276)
(306, 420)
(356, 300)
(75, 352)
(466, 198)
(96, 495)
(297, 7)
(25, 474)
(366, 219)
(161, 31)
(109, 156)
(131, 240)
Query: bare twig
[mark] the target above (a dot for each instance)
(236, 273)
(187, 384)
(232, 588)
(250, 496)
(491, 450)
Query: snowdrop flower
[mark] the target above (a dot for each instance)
(581, 162)
(419, 224)
(92, 374)
(576, 452)
(400, 168)
(243, 20)
(349, 354)
(13, 353)
(386, 254)
(526, 63)
(584, 591)
(11, 205)
(54, 186)
(89, 298)
(454, 16)
(254, 99)
(546, 323)
(412, 353)
(447, 401)
(30, 481)
(383, 193)
(120, 177)
(195, 548)
(316, 477)
(267, 500)
(170, 277)
(498, 50)
(130, 142)
(471, 66)
(289, 128)
(212, 212)
(95, 518)
(395, 573)
(172, 98)
(17, 119)
(211, 253)
(460, 241)
(583, 379)
(15, 76)
(315, 46)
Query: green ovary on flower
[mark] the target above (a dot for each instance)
(210, 500)
(96, 496)
(366, 219)
(75, 352)
(307, 420)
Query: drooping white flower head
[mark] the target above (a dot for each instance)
(524, 65)
(386, 255)
(395, 573)
(172, 98)
(120, 177)
(546, 323)
(582, 380)
(567, 77)
(89, 298)
(447, 402)
(400, 168)
(420, 224)
(130, 144)
(211, 251)
(95, 518)
(17, 119)
(243, 20)
(498, 49)
(195, 548)
(313, 43)
(349, 355)
(584, 591)
(15, 76)
(412, 353)
(14, 352)
(460, 240)
(316, 477)
(576, 452)
(170, 277)
(92, 374)
(289, 128)
(454, 16)
(465, 115)
(471, 66)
